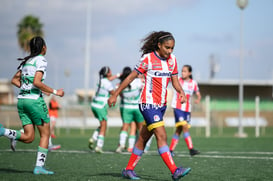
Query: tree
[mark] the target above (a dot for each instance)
(28, 27)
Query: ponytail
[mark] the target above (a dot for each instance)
(126, 71)
(36, 45)
(102, 74)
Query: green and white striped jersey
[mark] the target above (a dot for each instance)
(102, 95)
(27, 89)
(130, 96)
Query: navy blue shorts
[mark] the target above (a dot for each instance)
(153, 115)
(181, 117)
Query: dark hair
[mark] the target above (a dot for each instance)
(150, 43)
(36, 45)
(125, 72)
(102, 74)
(189, 69)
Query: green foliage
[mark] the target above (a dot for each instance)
(28, 27)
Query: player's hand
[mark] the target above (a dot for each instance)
(112, 101)
(182, 97)
(60, 92)
(197, 101)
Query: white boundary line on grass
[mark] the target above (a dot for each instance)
(178, 154)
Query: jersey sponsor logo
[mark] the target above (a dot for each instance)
(162, 74)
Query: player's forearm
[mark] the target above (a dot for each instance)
(126, 82)
(16, 79)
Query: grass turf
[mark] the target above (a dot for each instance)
(223, 157)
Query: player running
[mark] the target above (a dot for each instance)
(182, 112)
(99, 107)
(159, 66)
(129, 111)
(31, 105)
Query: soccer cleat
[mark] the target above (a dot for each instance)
(41, 171)
(13, 144)
(120, 149)
(54, 147)
(130, 174)
(180, 172)
(194, 152)
(172, 153)
(130, 150)
(91, 143)
(2, 130)
(98, 149)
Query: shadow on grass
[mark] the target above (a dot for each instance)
(10, 170)
(118, 175)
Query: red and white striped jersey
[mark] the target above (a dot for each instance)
(157, 73)
(190, 87)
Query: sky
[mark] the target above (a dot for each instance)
(204, 30)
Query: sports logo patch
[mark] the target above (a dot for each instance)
(156, 118)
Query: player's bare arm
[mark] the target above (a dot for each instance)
(40, 85)
(16, 79)
(113, 99)
(178, 88)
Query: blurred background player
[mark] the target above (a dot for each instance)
(129, 111)
(159, 66)
(31, 106)
(53, 109)
(99, 106)
(182, 112)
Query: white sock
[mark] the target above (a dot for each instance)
(10, 133)
(50, 141)
(100, 141)
(41, 156)
(95, 135)
(122, 138)
(132, 140)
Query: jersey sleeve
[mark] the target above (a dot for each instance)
(109, 86)
(41, 64)
(175, 70)
(142, 65)
(196, 88)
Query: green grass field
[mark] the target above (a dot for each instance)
(222, 157)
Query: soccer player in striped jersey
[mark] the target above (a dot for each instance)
(182, 112)
(31, 105)
(158, 66)
(129, 111)
(99, 107)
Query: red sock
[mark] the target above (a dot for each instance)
(167, 158)
(189, 142)
(135, 157)
(173, 144)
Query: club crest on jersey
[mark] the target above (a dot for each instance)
(190, 86)
(170, 62)
(156, 118)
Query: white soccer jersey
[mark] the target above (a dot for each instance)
(27, 89)
(157, 72)
(190, 87)
(130, 96)
(102, 95)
